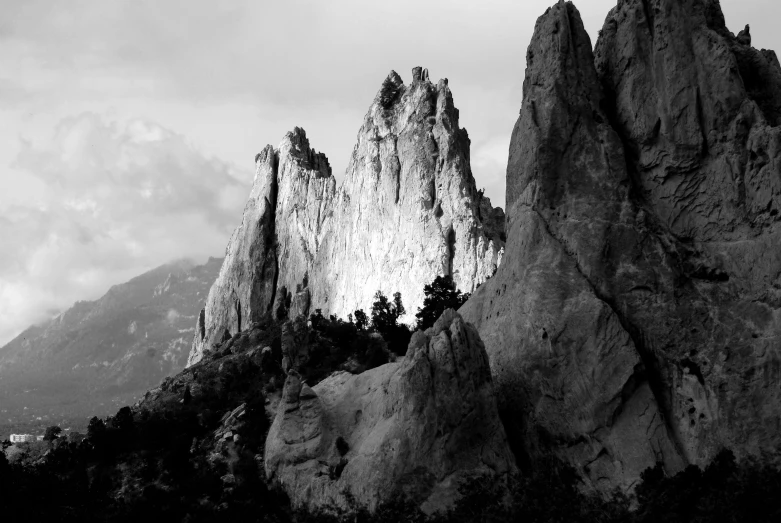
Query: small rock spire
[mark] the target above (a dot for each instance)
(744, 37)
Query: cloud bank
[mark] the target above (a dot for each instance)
(117, 199)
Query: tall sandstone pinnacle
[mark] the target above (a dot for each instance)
(407, 211)
(635, 317)
(290, 199)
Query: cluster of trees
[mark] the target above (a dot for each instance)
(155, 462)
(551, 492)
(384, 317)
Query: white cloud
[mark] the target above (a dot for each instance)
(119, 199)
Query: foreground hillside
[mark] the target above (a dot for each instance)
(195, 449)
(97, 356)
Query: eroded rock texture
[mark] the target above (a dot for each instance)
(407, 211)
(416, 427)
(634, 318)
(283, 220)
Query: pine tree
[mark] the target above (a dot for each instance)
(441, 294)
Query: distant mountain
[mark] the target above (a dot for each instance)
(101, 354)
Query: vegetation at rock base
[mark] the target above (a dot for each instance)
(441, 294)
(192, 450)
(342, 344)
(361, 320)
(385, 320)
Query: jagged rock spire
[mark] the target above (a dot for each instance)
(634, 298)
(407, 211)
(282, 222)
(563, 362)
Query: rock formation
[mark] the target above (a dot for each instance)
(634, 318)
(272, 249)
(407, 211)
(416, 427)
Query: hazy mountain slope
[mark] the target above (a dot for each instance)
(97, 355)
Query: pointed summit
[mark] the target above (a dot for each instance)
(407, 212)
(296, 145)
(271, 251)
(643, 203)
(408, 209)
(569, 367)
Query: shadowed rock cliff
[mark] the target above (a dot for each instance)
(633, 319)
(698, 109)
(566, 369)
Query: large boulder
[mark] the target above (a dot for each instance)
(415, 428)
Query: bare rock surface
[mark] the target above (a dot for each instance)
(698, 110)
(273, 248)
(634, 318)
(407, 211)
(416, 427)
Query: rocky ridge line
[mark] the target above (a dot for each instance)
(407, 211)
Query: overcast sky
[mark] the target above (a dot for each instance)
(129, 127)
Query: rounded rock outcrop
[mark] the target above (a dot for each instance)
(416, 427)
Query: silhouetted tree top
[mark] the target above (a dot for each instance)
(52, 433)
(441, 294)
(386, 313)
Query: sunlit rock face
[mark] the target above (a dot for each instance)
(407, 211)
(283, 222)
(416, 427)
(635, 318)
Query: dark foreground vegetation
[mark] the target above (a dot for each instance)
(192, 450)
